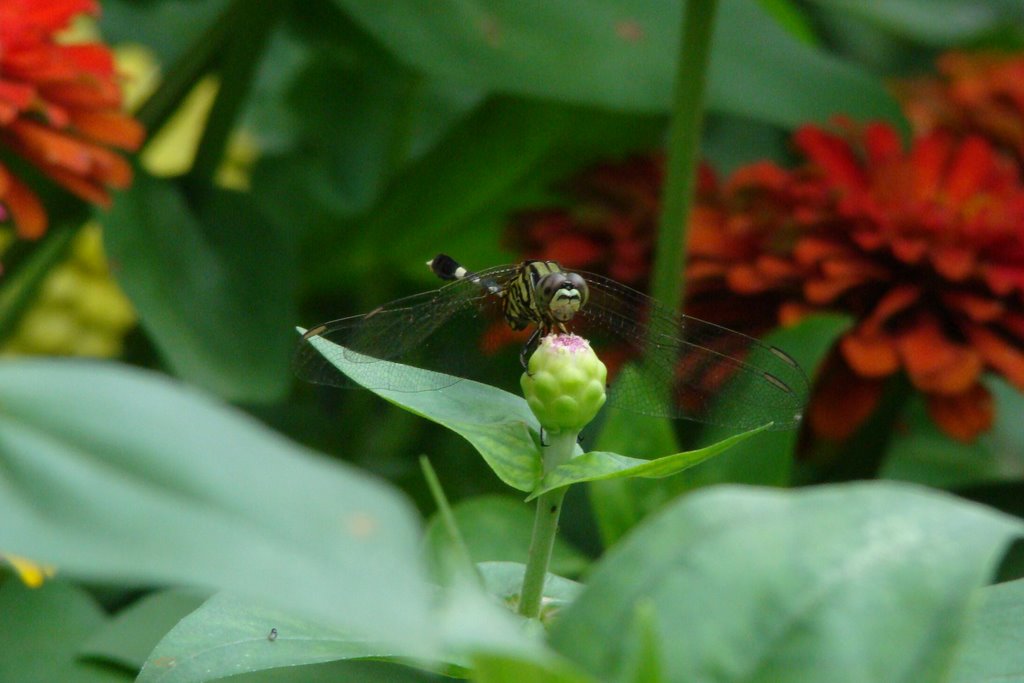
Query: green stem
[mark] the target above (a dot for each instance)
(181, 77)
(683, 151)
(463, 560)
(545, 524)
(22, 282)
(244, 47)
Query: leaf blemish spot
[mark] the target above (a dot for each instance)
(360, 524)
(491, 31)
(629, 30)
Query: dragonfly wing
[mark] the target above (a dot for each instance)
(430, 331)
(717, 375)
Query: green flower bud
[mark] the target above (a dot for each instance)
(564, 383)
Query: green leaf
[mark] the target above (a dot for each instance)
(41, 631)
(940, 23)
(621, 55)
(499, 668)
(598, 465)
(498, 424)
(497, 527)
(504, 580)
(869, 582)
(129, 637)
(333, 672)
(642, 656)
(922, 453)
(214, 304)
(618, 504)
(231, 635)
(119, 475)
(992, 650)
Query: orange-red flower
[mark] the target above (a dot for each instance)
(924, 247)
(59, 109)
(608, 229)
(973, 93)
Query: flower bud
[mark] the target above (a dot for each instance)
(564, 384)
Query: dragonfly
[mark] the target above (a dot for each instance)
(713, 374)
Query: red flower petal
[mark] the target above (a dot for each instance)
(109, 128)
(970, 167)
(832, 155)
(977, 308)
(934, 363)
(999, 354)
(26, 210)
(955, 263)
(870, 355)
(882, 144)
(841, 401)
(963, 416)
(894, 301)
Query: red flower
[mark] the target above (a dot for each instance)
(59, 109)
(981, 93)
(925, 248)
(608, 229)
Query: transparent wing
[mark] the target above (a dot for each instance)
(716, 375)
(437, 330)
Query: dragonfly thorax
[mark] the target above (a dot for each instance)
(541, 294)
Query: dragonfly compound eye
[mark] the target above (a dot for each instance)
(564, 295)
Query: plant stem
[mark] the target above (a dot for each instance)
(244, 48)
(22, 282)
(463, 560)
(183, 74)
(683, 151)
(545, 524)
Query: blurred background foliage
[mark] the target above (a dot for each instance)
(305, 158)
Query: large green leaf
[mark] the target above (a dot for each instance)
(992, 647)
(498, 424)
(622, 55)
(230, 635)
(215, 302)
(130, 635)
(119, 475)
(498, 527)
(851, 583)
(942, 23)
(498, 668)
(601, 465)
(41, 630)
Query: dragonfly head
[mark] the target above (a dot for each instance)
(562, 295)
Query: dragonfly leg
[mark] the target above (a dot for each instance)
(529, 348)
